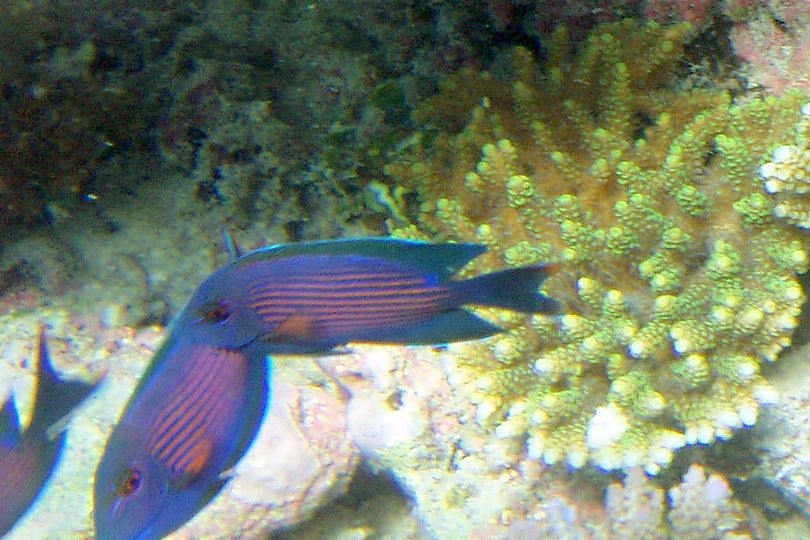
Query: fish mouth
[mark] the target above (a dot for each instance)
(109, 527)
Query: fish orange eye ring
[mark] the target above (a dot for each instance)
(131, 483)
(217, 312)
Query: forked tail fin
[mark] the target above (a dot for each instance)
(55, 397)
(515, 289)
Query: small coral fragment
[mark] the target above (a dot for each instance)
(701, 506)
(705, 503)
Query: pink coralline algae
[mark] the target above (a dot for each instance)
(695, 12)
(773, 37)
(406, 416)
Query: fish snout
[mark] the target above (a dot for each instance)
(129, 496)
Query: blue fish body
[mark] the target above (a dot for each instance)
(27, 459)
(312, 297)
(192, 417)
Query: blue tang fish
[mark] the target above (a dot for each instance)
(193, 415)
(312, 297)
(27, 459)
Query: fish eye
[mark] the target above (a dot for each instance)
(216, 312)
(130, 484)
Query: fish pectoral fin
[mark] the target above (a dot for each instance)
(227, 474)
(301, 328)
(200, 454)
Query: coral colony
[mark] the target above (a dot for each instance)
(679, 266)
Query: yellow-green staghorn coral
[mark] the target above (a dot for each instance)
(680, 283)
(787, 175)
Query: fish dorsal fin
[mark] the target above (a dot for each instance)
(233, 249)
(55, 397)
(443, 260)
(9, 424)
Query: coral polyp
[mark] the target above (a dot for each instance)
(679, 279)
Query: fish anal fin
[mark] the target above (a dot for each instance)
(455, 325)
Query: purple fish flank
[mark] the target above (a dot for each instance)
(355, 297)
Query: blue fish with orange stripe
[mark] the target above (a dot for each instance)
(28, 458)
(312, 297)
(199, 404)
(193, 415)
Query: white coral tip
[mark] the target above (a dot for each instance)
(606, 427)
(767, 170)
(748, 413)
(784, 153)
(766, 395)
(705, 433)
(551, 456)
(661, 456)
(728, 418)
(577, 458)
(672, 440)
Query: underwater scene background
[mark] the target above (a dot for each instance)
(656, 152)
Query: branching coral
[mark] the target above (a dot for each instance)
(680, 283)
(787, 175)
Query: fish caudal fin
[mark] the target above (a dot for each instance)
(515, 289)
(9, 424)
(55, 397)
